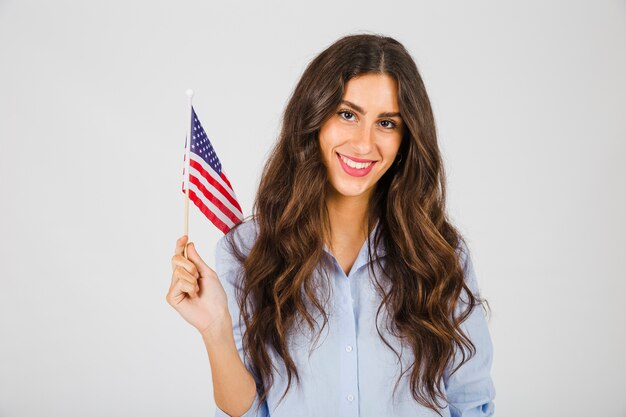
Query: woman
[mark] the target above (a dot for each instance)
(348, 292)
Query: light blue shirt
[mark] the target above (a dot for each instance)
(350, 372)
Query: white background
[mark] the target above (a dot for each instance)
(530, 102)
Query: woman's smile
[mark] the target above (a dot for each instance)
(359, 168)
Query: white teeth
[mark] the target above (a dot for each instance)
(357, 165)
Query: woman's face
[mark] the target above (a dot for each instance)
(359, 142)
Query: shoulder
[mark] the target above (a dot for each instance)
(243, 236)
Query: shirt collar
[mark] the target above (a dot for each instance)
(361, 259)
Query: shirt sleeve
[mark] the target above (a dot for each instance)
(250, 413)
(227, 268)
(470, 390)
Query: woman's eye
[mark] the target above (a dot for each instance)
(344, 112)
(391, 124)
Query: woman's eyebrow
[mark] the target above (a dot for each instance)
(360, 110)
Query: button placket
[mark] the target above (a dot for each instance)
(349, 361)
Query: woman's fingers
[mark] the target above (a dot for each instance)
(180, 261)
(179, 288)
(193, 256)
(186, 272)
(181, 273)
(180, 245)
(188, 287)
(193, 263)
(195, 291)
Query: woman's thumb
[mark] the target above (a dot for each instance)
(196, 259)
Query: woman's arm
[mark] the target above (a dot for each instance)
(203, 301)
(234, 388)
(470, 389)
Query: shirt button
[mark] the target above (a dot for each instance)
(350, 397)
(348, 348)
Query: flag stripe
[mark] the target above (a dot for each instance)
(209, 188)
(210, 205)
(217, 199)
(207, 212)
(213, 178)
(223, 177)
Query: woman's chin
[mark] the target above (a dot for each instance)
(349, 190)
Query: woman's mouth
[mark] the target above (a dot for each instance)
(354, 168)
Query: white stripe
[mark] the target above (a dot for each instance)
(211, 189)
(218, 213)
(213, 174)
(237, 213)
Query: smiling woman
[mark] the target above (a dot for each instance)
(359, 140)
(349, 280)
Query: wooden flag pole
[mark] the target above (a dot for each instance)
(190, 95)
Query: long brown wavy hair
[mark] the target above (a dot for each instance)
(423, 266)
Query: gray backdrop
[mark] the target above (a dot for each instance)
(530, 101)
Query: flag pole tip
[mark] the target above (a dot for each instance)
(189, 92)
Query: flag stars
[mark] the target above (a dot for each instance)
(202, 147)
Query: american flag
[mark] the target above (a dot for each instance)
(209, 189)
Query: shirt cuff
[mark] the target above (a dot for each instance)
(250, 413)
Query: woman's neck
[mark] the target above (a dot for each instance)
(348, 218)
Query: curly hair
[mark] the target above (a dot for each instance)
(423, 273)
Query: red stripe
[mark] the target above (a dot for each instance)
(208, 213)
(215, 184)
(213, 199)
(223, 177)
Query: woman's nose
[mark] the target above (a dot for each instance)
(362, 141)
